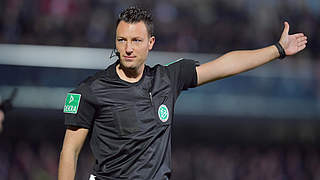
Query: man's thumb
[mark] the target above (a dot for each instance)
(286, 28)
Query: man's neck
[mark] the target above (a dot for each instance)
(129, 75)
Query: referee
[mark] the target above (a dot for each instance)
(127, 110)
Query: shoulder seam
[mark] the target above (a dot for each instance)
(173, 62)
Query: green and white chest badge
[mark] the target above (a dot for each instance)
(72, 103)
(163, 113)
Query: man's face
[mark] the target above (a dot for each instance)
(133, 44)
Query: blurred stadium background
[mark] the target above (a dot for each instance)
(262, 124)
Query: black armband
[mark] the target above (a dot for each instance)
(280, 50)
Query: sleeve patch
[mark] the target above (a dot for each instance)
(72, 103)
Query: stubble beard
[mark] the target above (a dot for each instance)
(131, 69)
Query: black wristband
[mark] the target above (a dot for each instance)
(280, 50)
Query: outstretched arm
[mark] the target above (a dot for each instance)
(236, 62)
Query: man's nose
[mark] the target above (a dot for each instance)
(129, 48)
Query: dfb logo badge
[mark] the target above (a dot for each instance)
(163, 113)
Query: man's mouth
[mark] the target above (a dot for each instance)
(129, 57)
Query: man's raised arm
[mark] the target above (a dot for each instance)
(240, 61)
(72, 145)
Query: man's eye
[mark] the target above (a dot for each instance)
(137, 40)
(120, 40)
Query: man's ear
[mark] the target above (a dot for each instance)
(152, 40)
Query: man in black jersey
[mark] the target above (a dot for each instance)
(127, 109)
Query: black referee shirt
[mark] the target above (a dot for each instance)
(130, 123)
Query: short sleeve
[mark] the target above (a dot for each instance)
(183, 74)
(79, 109)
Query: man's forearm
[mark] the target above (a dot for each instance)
(67, 166)
(240, 61)
(235, 62)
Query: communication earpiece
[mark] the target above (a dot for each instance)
(114, 53)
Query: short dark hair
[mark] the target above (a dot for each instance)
(134, 15)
